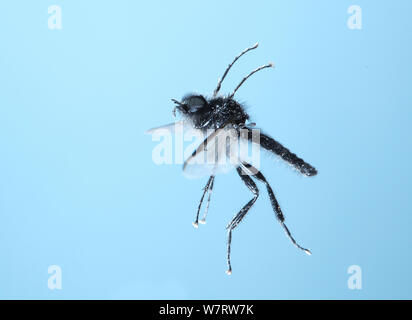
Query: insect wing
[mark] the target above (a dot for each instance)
(219, 152)
(172, 128)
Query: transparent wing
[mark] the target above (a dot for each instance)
(173, 128)
(215, 151)
(219, 152)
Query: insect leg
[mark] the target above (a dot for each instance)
(275, 205)
(203, 220)
(242, 213)
(206, 188)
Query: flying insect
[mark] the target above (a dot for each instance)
(223, 116)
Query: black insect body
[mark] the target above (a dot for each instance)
(212, 114)
(218, 114)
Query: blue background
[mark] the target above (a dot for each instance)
(79, 189)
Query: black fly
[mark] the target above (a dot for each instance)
(219, 114)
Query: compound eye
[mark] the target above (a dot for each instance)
(195, 103)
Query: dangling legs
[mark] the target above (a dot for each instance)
(242, 213)
(275, 205)
(209, 185)
(203, 220)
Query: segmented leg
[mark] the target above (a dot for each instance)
(242, 213)
(203, 220)
(206, 188)
(275, 205)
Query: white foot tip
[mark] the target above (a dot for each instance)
(203, 221)
(195, 224)
(228, 272)
(308, 252)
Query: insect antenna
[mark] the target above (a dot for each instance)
(269, 65)
(219, 83)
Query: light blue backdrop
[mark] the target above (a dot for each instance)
(78, 187)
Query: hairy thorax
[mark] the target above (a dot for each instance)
(220, 112)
